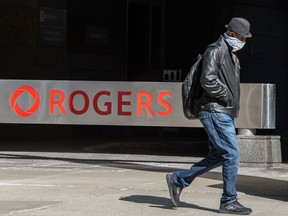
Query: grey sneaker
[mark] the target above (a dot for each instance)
(174, 191)
(234, 208)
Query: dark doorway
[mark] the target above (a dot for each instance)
(145, 42)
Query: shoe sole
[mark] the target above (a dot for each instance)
(169, 180)
(231, 212)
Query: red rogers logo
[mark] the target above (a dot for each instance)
(102, 103)
(18, 92)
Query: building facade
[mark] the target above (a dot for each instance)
(136, 40)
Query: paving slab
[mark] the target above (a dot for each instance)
(101, 184)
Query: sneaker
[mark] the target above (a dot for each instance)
(234, 208)
(174, 191)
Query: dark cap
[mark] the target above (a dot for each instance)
(240, 26)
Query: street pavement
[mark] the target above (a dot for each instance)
(93, 183)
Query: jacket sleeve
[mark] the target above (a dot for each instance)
(210, 77)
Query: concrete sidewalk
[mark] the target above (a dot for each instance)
(88, 184)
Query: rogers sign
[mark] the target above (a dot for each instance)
(92, 103)
(118, 103)
(101, 102)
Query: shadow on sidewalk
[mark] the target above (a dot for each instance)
(161, 202)
(256, 186)
(253, 185)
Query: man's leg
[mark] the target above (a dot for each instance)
(224, 139)
(178, 180)
(184, 178)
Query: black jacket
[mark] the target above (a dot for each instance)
(220, 80)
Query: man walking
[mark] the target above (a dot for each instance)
(218, 106)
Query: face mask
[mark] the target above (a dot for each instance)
(235, 43)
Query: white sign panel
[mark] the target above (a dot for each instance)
(104, 103)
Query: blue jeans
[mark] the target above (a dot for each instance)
(223, 150)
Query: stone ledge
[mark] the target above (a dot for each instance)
(259, 151)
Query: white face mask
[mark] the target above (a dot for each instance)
(235, 43)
